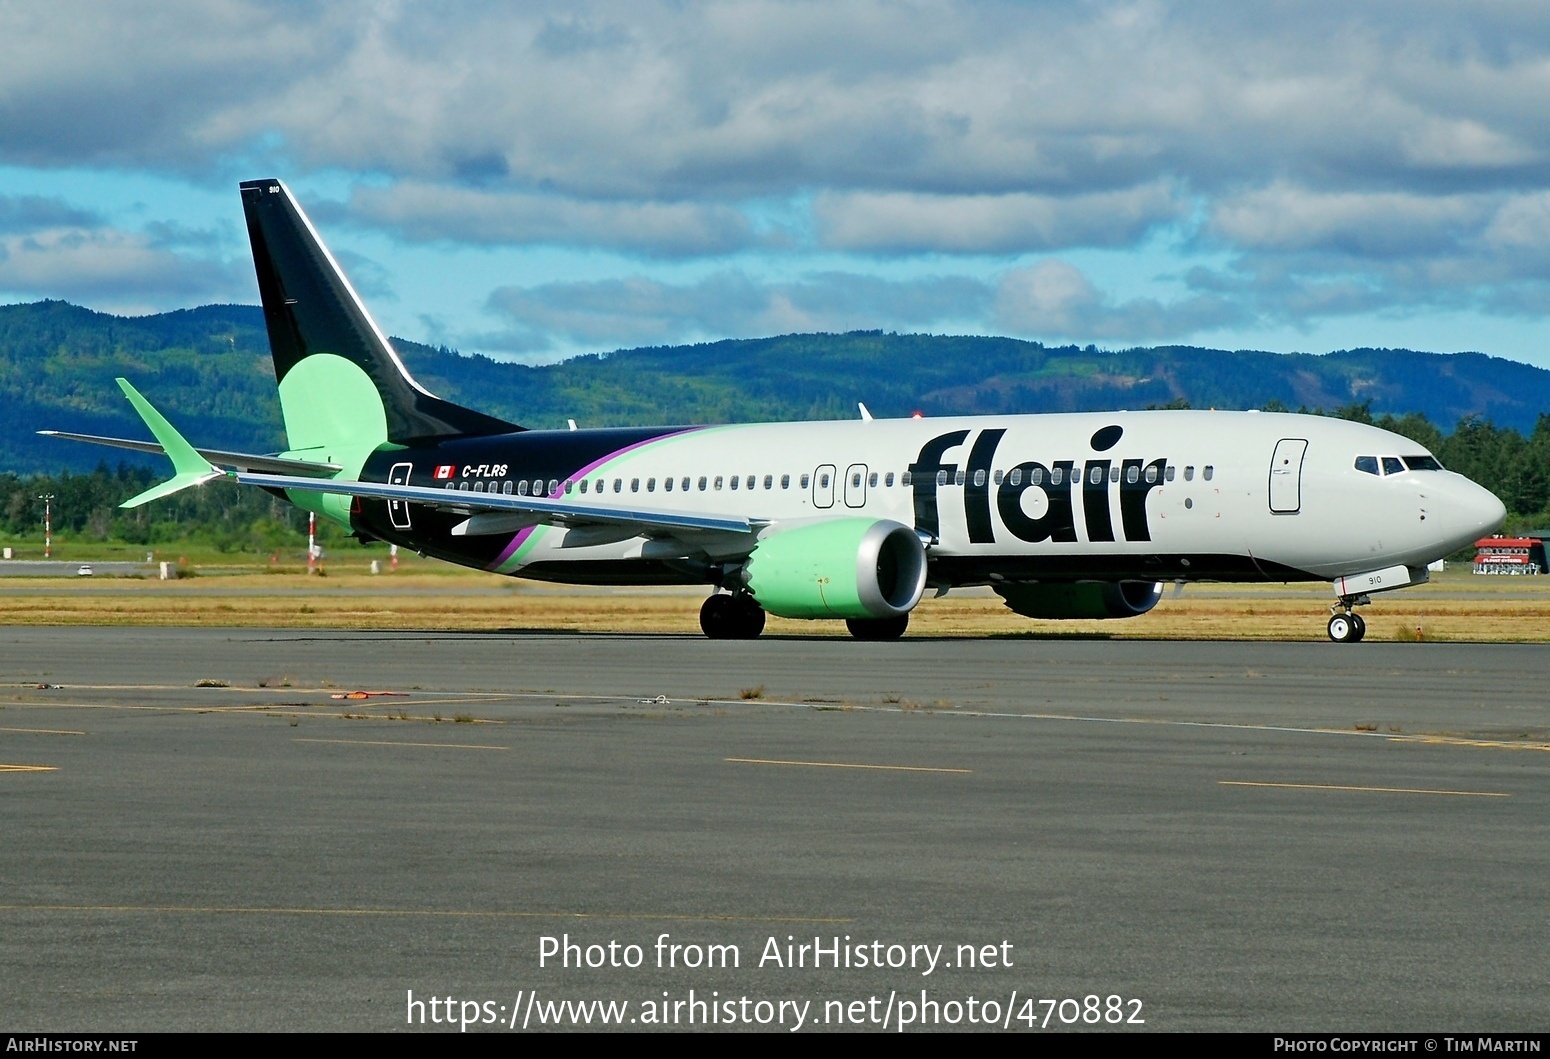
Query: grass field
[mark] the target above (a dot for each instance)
(425, 594)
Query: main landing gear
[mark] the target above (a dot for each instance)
(735, 617)
(1345, 625)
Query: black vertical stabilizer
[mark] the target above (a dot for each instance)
(310, 307)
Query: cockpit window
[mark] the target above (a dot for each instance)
(1367, 464)
(1422, 463)
(1391, 465)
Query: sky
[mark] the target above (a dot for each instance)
(536, 180)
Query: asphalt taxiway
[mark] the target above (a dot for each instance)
(1239, 836)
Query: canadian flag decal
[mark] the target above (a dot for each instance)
(444, 471)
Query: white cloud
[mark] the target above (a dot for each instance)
(906, 222)
(639, 310)
(108, 268)
(1055, 300)
(427, 212)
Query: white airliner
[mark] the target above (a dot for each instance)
(1065, 516)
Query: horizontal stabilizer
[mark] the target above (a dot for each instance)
(242, 461)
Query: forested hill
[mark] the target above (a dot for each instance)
(209, 370)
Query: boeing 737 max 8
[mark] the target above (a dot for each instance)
(1065, 516)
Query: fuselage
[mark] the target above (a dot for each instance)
(1157, 495)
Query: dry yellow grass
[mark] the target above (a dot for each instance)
(1455, 607)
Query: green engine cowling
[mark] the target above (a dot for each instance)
(843, 568)
(1082, 599)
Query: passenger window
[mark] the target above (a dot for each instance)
(1168, 474)
(569, 485)
(1055, 476)
(805, 479)
(651, 485)
(452, 485)
(507, 488)
(769, 481)
(719, 480)
(702, 483)
(979, 478)
(1016, 477)
(941, 478)
(1095, 475)
(478, 487)
(1113, 474)
(888, 480)
(1133, 474)
(997, 477)
(1208, 472)
(734, 481)
(462, 487)
(750, 482)
(823, 481)
(785, 481)
(597, 486)
(958, 478)
(1391, 465)
(685, 485)
(906, 479)
(522, 487)
(1367, 464)
(618, 485)
(667, 485)
(554, 487)
(872, 480)
(634, 485)
(1189, 473)
(1151, 475)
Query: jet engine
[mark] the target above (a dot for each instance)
(842, 568)
(1081, 599)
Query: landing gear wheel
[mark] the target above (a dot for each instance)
(878, 628)
(1342, 628)
(725, 617)
(750, 618)
(717, 617)
(1358, 628)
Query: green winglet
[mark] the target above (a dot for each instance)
(189, 468)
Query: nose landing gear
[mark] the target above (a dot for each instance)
(1345, 625)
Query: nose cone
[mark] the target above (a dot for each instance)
(1465, 512)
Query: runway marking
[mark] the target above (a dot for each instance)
(1447, 740)
(28, 768)
(426, 912)
(844, 765)
(395, 742)
(1383, 790)
(42, 731)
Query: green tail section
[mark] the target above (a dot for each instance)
(189, 468)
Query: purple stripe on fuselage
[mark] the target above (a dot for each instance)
(559, 490)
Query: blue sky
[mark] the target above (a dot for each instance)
(538, 180)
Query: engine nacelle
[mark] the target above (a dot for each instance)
(1082, 599)
(843, 568)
